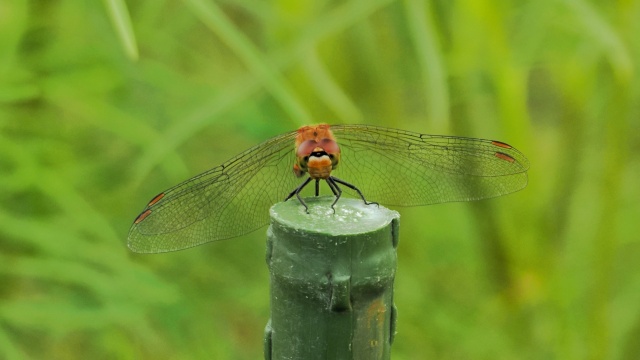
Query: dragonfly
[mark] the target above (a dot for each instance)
(380, 165)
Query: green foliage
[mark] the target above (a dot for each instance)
(104, 104)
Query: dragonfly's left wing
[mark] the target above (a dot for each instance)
(397, 167)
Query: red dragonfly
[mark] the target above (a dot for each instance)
(389, 166)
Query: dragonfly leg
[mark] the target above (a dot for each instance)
(353, 187)
(297, 191)
(317, 187)
(336, 191)
(306, 208)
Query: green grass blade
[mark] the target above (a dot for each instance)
(119, 16)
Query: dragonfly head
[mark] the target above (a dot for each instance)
(317, 152)
(318, 163)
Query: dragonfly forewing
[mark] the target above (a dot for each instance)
(227, 201)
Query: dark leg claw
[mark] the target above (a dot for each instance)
(336, 191)
(297, 191)
(352, 187)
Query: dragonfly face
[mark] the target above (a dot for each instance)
(391, 166)
(317, 152)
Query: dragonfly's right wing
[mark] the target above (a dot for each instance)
(227, 201)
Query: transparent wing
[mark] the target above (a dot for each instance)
(396, 167)
(227, 201)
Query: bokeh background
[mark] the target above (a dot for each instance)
(105, 104)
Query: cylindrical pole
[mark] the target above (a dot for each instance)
(331, 280)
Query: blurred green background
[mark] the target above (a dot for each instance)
(105, 104)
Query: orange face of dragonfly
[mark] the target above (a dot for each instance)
(317, 152)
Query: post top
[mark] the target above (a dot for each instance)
(352, 216)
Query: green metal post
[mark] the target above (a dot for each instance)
(331, 280)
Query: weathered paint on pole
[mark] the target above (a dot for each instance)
(331, 280)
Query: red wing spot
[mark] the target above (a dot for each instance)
(504, 156)
(156, 199)
(142, 216)
(501, 144)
